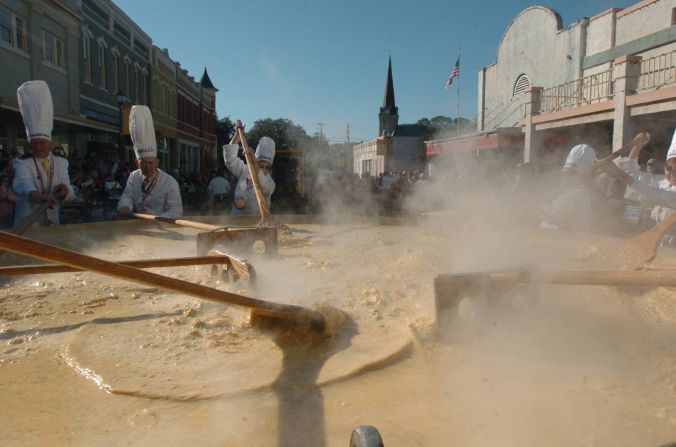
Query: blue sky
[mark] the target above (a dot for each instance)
(326, 61)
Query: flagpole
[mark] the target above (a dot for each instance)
(458, 115)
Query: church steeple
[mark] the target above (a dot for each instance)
(389, 116)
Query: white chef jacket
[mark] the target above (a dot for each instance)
(653, 190)
(164, 199)
(26, 180)
(245, 186)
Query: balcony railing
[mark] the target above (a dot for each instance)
(657, 71)
(588, 90)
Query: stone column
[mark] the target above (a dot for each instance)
(626, 70)
(532, 101)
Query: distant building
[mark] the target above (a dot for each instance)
(90, 53)
(598, 80)
(114, 56)
(40, 40)
(164, 107)
(397, 147)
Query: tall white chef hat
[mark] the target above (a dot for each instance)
(37, 109)
(142, 132)
(265, 151)
(672, 149)
(580, 157)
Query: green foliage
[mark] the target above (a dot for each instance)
(225, 130)
(287, 135)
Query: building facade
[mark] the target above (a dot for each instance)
(114, 59)
(599, 81)
(163, 106)
(91, 53)
(39, 40)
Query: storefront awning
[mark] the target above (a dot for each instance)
(475, 142)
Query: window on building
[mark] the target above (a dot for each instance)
(87, 57)
(144, 81)
(121, 33)
(673, 16)
(521, 84)
(127, 76)
(164, 153)
(102, 66)
(136, 85)
(12, 30)
(116, 74)
(53, 50)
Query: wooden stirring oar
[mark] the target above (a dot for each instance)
(220, 258)
(35, 215)
(306, 318)
(180, 222)
(266, 215)
(635, 252)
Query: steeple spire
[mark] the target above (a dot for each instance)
(389, 114)
(388, 100)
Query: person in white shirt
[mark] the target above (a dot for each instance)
(654, 189)
(40, 177)
(218, 190)
(245, 197)
(572, 209)
(149, 189)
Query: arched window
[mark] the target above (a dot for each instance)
(521, 84)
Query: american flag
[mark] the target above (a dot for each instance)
(455, 72)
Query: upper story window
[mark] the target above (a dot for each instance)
(122, 33)
(137, 87)
(165, 96)
(116, 73)
(87, 56)
(94, 11)
(102, 64)
(53, 50)
(521, 84)
(127, 76)
(12, 30)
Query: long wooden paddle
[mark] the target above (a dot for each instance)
(35, 215)
(266, 216)
(220, 258)
(306, 318)
(180, 222)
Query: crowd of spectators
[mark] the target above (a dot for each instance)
(385, 194)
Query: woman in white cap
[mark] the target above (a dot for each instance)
(40, 177)
(149, 189)
(245, 197)
(572, 209)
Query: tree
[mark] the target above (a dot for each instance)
(286, 134)
(225, 130)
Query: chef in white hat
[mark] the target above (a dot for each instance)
(572, 209)
(245, 196)
(40, 177)
(149, 189)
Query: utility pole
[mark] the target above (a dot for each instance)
(321, 129)
(348, 133)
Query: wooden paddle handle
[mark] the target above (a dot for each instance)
(35, 215)
(591, 278)
(181, 222)
(140, 263)
(312, 319)
(253, 172)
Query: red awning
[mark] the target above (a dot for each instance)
(476, 143)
